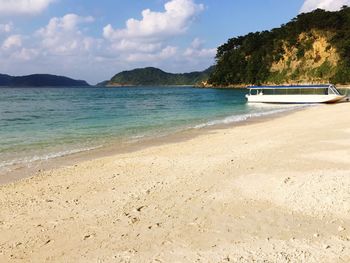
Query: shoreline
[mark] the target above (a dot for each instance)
(276, 190)
(24, 170)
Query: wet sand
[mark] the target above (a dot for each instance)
(277, 190)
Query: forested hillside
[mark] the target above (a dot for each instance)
(154, 76)
(312, 48)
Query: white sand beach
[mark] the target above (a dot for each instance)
(271, 191)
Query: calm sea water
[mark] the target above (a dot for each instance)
(43, 123)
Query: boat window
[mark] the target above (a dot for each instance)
(280, 91)
(307, 92)
(295, 91)
(320, 91)
(333, 90)
(336, 90)
(269, 92)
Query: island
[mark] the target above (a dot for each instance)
(40, 80)
(151, 76)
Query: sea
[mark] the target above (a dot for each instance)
(38, 124)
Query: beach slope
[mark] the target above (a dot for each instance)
(276, 190)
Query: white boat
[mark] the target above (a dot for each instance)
(294, 94)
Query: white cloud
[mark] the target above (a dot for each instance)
(126, 45)
(174, 20)
(13, 41)
(6, 28)
(25, 54)
(149, 39)
(12, 50)
(60, 47)
(17, 7)
(163, 54)
(330, 5)
(62, 35)
(197, 43)
(200, 53)
(196, 50)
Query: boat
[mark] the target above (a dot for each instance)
(294, 94)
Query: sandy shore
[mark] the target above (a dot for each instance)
(273, 191)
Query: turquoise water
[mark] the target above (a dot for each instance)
(43, 123)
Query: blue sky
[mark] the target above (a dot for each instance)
(93, 40)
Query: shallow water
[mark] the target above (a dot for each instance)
(44, 123)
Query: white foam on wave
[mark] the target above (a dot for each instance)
(28, 160)
(137, 137)
(243, 117)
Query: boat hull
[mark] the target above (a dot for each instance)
(296, 99)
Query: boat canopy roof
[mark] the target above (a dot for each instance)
(290, 87)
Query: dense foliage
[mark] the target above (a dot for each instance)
(39, 80)
(154, 76)
(248, 59)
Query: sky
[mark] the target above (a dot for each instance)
(93, 40)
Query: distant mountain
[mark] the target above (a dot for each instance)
(39, 80)
(154, 76)
(5, 79)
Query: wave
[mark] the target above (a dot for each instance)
(246, 116)
(45, 157)
(137, 137)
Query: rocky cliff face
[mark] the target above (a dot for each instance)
(312, 59)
